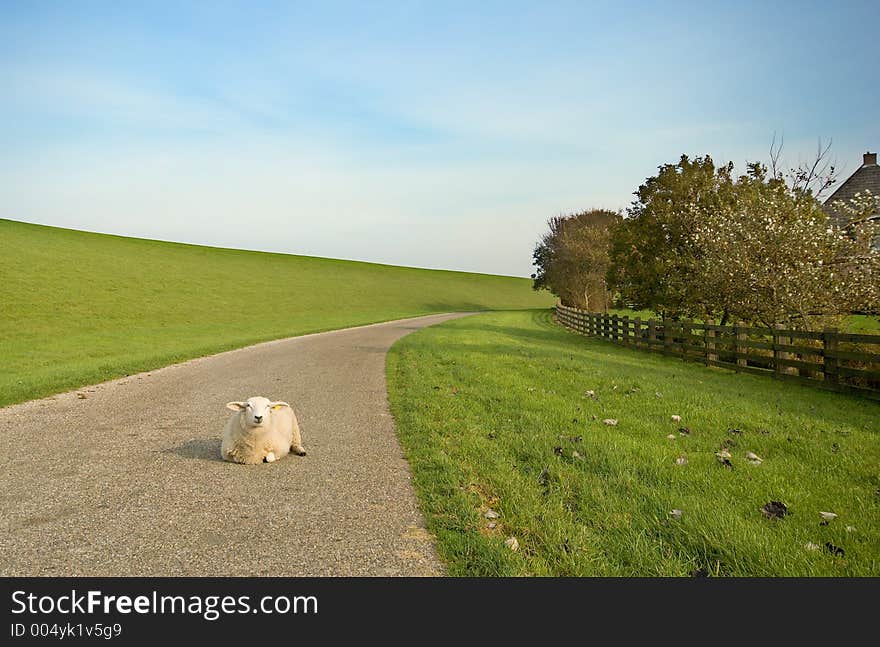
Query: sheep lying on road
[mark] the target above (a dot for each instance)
(260, 430)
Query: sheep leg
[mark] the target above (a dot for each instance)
(296, 440)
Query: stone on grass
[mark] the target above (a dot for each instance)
(512, 544)
(774, 510)
(827, 517)
(491, 514)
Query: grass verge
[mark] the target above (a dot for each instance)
(492, 413)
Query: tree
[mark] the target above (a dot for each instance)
(807, 178)
(655, 263)
(772, 255)
(572, 258)
(860, 259)
(758, 248)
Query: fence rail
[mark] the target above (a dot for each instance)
(830, 359)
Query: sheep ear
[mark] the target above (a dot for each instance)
(236, 406)
(279, 405)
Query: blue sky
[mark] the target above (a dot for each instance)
(431, 134)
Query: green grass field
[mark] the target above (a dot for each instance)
(492, 413)
(80, 308)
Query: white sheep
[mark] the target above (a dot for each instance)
(260, 430)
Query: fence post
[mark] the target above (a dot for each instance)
(830, 344)
(614, 328)
(686, 328)
(737, 347)
(626, 330)
(667, 337)
(637, 331)
(709, 336)
(778, 354)
(652, 334)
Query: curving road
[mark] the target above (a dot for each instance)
(127, 480)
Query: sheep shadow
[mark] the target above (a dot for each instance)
(206, 449)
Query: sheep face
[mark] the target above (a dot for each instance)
(257, 411)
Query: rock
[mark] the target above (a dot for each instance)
(723, 457)
(491, 514)
(675, 514)
(575, 454)
(611, 422)
(676, 418)
(512, 544)
(590, 394)
(811, 546)
(827, 517)
(753, 458)
(774, 510)
(491, 525)
(672, 436)
(81, 396)
(837, 551)
(681, 460)
(544, 477)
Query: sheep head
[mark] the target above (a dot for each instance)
(256, 411)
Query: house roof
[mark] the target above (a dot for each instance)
(866, 177)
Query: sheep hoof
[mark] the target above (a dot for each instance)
(299, 451)
(270, 457)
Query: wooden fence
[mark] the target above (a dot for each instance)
(830, 359)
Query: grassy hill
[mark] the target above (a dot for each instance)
(79, 308)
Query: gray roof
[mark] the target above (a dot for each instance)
(866, 177)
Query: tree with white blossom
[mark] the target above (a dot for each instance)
(772, 255)
(700, 243)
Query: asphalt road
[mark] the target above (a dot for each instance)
(128, 481)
